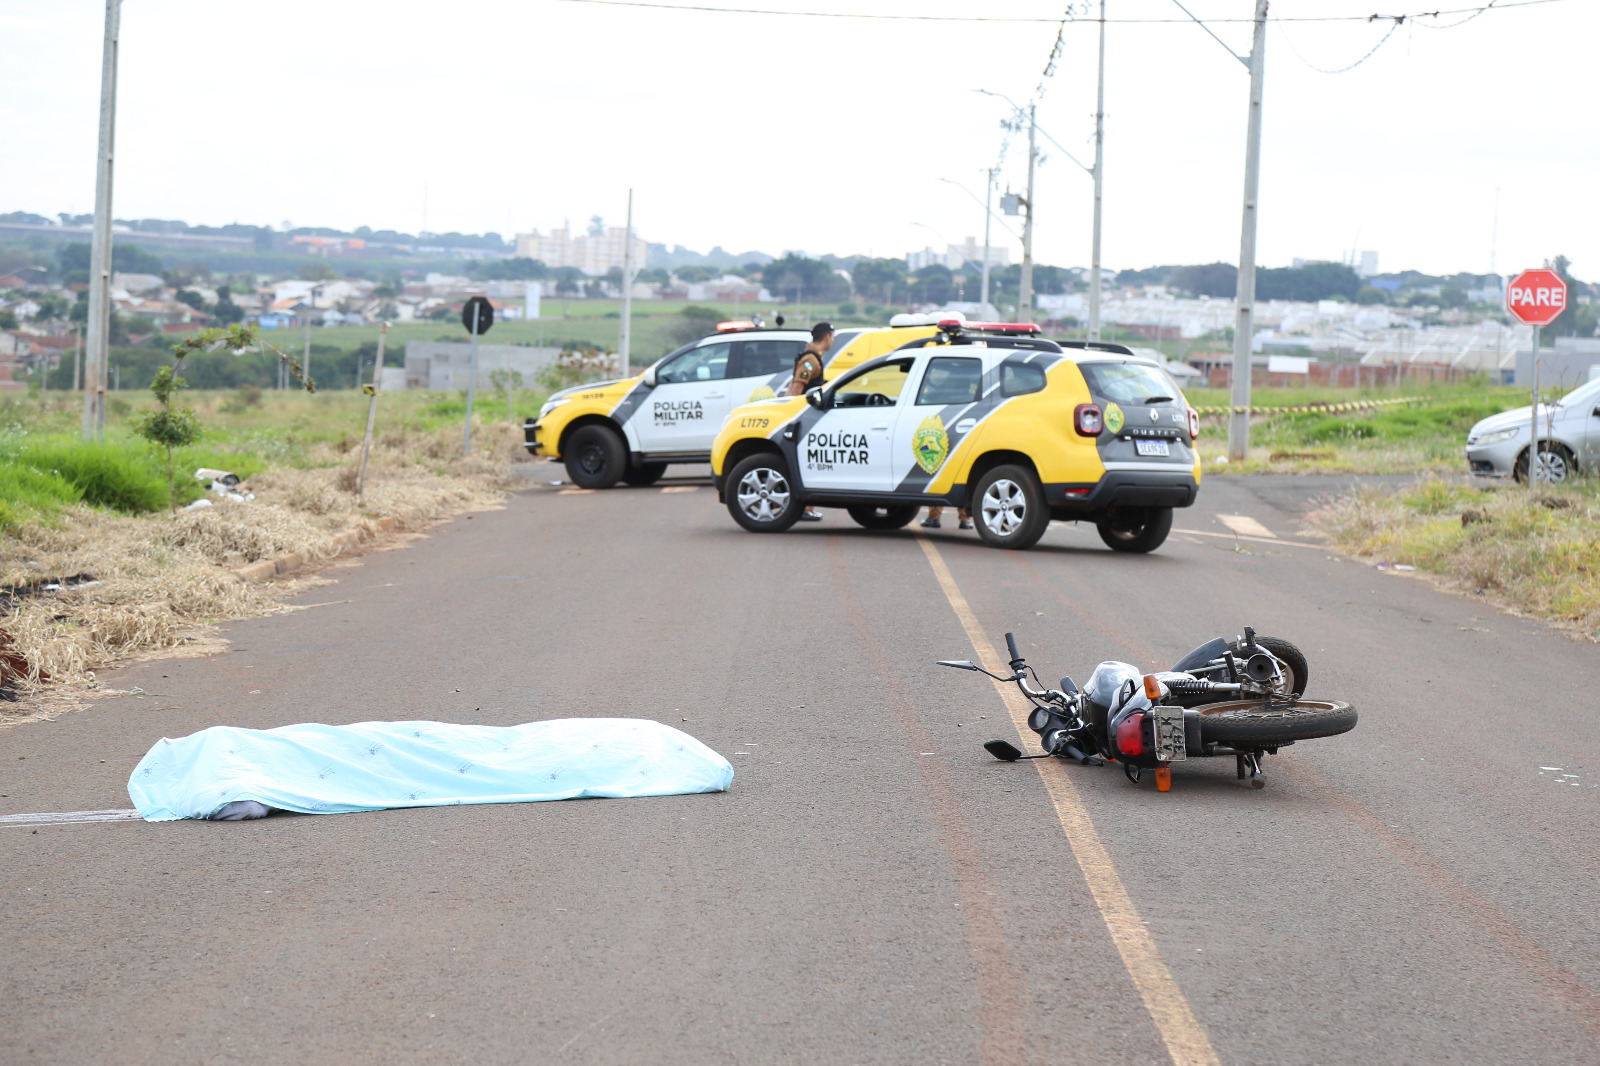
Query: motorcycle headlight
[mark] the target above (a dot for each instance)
(1495, 436)
(551, 405)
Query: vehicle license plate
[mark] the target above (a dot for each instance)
(1170, 741)
(1153, 447)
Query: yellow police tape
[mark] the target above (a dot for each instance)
(1302, 408)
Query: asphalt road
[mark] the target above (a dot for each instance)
(874, 888)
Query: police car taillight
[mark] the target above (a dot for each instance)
(1194, 423)
(1087, 419)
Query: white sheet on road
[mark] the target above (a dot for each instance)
(325, 769)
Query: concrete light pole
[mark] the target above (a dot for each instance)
(1025, 290)
(988, 215)
(1244, 326)
(625, 336)
(99, 331)
(1099, 183)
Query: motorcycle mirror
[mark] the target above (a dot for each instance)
(959, 664)
(1068, 686)
(1003, 751)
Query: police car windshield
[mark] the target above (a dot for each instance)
(1130, 383)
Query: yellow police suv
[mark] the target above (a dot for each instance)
(630, 429)
(992, 417)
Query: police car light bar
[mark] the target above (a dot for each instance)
(727, 327)
(955, 324)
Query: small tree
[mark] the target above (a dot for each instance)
(175, 425)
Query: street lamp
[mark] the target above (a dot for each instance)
(988, 216)
(1026, 295)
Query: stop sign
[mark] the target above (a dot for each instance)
(1537, 297)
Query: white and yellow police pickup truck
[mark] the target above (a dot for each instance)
(629, 430)
(992, 417)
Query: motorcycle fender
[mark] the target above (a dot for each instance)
(1212, 649)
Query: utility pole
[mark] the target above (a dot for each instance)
(625, 336)
(988, 192)
(99, 339)
(1025, 295)
(1244, 325)
(1099, 183)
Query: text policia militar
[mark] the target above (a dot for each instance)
(669, 411)
(824, 450)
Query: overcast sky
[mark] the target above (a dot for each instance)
(822, 134)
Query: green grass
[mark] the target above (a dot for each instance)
(1428, 435)
(29, 495)
(118, 474)
(1541, 556)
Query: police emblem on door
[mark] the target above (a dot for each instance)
(930, 443)
(763, 392)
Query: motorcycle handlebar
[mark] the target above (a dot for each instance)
(1011, 646)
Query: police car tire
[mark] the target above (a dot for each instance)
(1247, 724)
(1147, 538)
(873, 516)
(1035, 512)
(645, 474)
(778, 522)
(595, 457)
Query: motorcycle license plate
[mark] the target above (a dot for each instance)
(1170, 742)
(1153, 447)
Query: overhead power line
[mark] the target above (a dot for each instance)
(1471, 13)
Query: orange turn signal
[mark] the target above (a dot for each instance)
(1152, 687)
(1163, 779)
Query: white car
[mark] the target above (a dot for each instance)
(1569, 439)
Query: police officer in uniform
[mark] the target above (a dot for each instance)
(808, 367)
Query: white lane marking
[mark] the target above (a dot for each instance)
(1256, 540)
(67, 817)
(1243, 523)
(681, 488)
(574, 492)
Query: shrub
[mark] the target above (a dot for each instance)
(847, 309)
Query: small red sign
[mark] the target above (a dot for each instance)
(1537, 297)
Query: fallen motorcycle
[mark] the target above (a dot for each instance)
(1244, 697)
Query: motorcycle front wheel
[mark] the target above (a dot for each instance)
(1248, 724)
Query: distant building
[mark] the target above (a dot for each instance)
(956, 256)
(595, 255)
(1369, 265)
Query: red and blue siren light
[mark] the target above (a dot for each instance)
(956, 325)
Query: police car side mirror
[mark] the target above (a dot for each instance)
(1596, 411)
(650, 378)
(818, 399)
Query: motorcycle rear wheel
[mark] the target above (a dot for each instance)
(1249, 724)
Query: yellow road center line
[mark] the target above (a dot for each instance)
(1186, 1041)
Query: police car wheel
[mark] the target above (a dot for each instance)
(1009, 508)
(595, 457)
(760, 496)
(1136, 529)
(869, 516)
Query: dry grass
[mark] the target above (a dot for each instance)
(162, 580)
(1542, 560)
